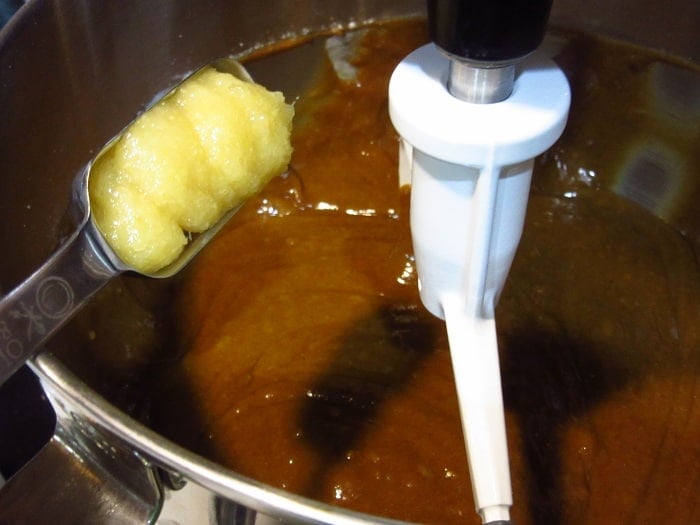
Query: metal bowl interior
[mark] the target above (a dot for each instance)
(72, 74)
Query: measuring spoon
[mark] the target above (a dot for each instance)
(32, 312)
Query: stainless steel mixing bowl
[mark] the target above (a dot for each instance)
(72, 74)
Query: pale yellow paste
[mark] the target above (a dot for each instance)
(184, 163)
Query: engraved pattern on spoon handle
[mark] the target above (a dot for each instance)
(46, 300)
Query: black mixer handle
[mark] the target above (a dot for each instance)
(488, 30)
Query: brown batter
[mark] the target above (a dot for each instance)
(308, 362)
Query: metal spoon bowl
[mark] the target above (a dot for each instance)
(32, 312)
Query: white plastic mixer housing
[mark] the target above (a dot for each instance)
(469, 166)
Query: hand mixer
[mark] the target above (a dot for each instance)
(473, 109)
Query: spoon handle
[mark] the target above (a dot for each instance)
(45, 301)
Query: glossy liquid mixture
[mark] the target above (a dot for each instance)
(307, 361)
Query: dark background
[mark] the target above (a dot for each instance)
(26, 418)
(7, 9)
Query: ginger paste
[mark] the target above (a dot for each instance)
(179, 167)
